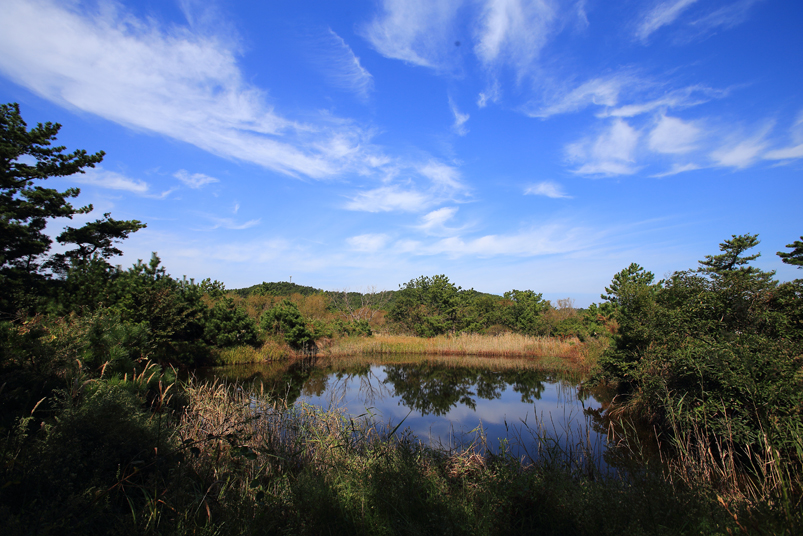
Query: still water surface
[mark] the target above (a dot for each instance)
(444, 403)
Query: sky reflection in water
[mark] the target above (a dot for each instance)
(442, 405)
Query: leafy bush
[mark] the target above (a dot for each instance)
(226, 325)
(720, 347)
(285, 319)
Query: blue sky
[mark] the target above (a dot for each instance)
(539, 144)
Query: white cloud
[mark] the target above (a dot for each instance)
(661, 15)
(793, 151)
(442, 175)
(598, 91)
(175, 82)
(548, 189)
(434, 222)
(727, 17)
(611, 153)
(677, 168)
(741, 153)
(196, 180)
(408, 195)
(460, 119)
(674, 136)
(787, 153)
(368, 242)
(491, 93)
(513, 32)
(342, 68)
(680, 98)
(231, 224)
(668, 12)
(415, 31)
(543, 240)
(389, 198)
(102, 178)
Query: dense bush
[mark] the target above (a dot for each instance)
(720, 347)
(285, 319)
(227, 325)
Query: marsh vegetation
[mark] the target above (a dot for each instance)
(104, 430)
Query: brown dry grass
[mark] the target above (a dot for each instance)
(579, 355)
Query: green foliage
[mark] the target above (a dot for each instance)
(633, 275)
(285, 319)
(721, 345)
(524, 315)
(95, 242)
(26, 207)
(794, 257)
(226, 325)
(429, 306)
(280, 288)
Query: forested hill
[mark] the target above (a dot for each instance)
(285, 288)
(279, 288)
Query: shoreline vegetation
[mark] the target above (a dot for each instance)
(99, 436)
(552, 352)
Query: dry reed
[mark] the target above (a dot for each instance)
(581, 355)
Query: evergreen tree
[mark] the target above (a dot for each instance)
(26, 158)
(794, 257)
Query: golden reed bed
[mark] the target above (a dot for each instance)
(571, 352)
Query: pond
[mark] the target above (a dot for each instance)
(453, 403)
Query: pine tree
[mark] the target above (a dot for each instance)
(28, 157)
(794, 257)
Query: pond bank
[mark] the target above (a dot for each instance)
(569, 353)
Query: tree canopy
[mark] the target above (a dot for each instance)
(27, 157)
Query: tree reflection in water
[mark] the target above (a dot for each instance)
(525, 406)
(437, 389)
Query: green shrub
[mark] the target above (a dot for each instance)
(226, 325)
(285, 319)
(719, 348)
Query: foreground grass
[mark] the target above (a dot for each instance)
(224, 460)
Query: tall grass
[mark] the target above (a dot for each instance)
(583, 356)
(239, 355)
(759, 475)
(268, 468)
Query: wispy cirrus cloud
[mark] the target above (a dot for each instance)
(545, 239)
(435, 222)
(442, 175)
(460, 119)
(793, 151)
(741, 152)
(691, 23)
(415, 31)
(177, 82)
(547, 189)
(341, 67)
(674, 136)
(389, 199)
(195, 180)
(662, 14)
(111, 180)
(368, 242)
(624, 93)
(513, 32)
(600, 91)
(727, 16)
(611, 152)
(231, 223)
(102, 178)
